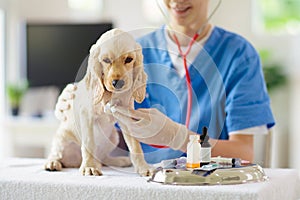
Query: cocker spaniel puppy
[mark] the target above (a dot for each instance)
(115, 75)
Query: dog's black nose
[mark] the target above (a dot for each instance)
(118, 84)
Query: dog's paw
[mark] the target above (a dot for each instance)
(144, 170)
(90, 171)
(53, 165)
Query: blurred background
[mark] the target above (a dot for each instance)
(28, 92)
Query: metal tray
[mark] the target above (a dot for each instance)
(219, 176)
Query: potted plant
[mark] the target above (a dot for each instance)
(273, 72)
(15, 93)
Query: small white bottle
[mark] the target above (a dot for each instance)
(193, 152)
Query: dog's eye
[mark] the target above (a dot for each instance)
(107, 60)
(128, 60)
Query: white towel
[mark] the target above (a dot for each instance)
(26, 179)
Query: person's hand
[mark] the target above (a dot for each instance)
(152, 127)
(63, 102)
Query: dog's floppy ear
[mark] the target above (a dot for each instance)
(139, 76)
(94, 75)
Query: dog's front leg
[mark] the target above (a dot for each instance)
(54, 159)
(137, 155)
(90, 165)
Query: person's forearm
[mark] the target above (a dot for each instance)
(232, 149)
(235, 147)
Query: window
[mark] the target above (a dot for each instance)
(280, 15)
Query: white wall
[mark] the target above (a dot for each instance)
(294, 108)
(234, 15)
(3, 4)
(2, 73)
(2, 60)
(126, 15)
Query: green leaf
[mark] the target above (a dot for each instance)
(15, 93)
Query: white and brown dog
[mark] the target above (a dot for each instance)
(115, 75)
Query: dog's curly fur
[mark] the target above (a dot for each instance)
(114, 75)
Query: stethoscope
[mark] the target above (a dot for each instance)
(184, 57)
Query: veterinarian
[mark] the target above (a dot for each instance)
(198, 75)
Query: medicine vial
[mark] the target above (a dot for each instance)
(205, 155)
(193, 152)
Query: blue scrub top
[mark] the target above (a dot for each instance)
(229, 92)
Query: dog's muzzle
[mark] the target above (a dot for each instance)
(118, 83)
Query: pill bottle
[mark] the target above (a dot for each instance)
(193, 152)
(205, 155)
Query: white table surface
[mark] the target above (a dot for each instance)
(25, 179)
